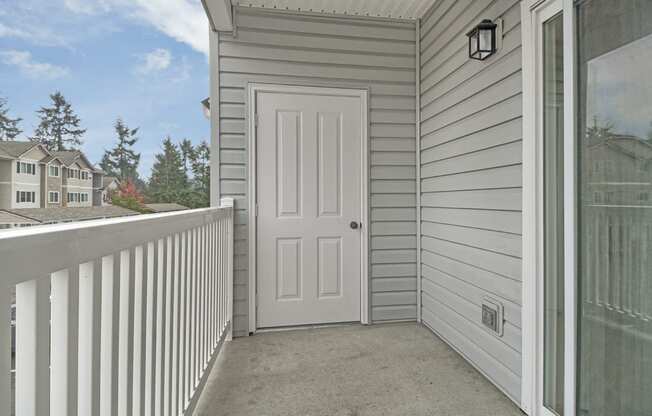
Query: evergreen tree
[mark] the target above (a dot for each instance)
(59, 126)
(201, 173)
(8, 126)
(168, 181)
(107, 165)
(122, 161)
(187, 153)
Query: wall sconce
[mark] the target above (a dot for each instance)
(482, 40)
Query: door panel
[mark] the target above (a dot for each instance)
(614, 144)
(309, 176)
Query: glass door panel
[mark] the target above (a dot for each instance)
(614, 145)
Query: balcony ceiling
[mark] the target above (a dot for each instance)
(397, 9)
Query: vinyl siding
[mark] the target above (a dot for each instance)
(282, 48)
(471, 180)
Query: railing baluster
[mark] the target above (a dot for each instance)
(189, 299)
(174, 380)
(198, 308)
(64, 349)
(5, 351)
(125, 357)
(150, 340)
(169, 280)
(211, 295)
(90, 311)
(139, 331)
(220, 283)
(33, 348)
(229, 275)
(207, 274)
(200, 304)
(192, 318)
(160, 327)
(183, 339)
(110, 335)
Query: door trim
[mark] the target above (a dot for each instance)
(252, 90)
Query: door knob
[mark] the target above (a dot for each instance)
(354, 225)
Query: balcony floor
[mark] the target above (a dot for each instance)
(393, 369)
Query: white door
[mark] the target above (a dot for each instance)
(309, 195)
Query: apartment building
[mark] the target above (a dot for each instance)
(33, 177)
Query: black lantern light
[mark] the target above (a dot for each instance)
(482, 40)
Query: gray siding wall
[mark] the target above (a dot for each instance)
(6, 178)
(471, 134)
(276, 47)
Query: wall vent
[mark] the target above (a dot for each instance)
(492, 316)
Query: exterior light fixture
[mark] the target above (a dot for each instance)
(482, 40)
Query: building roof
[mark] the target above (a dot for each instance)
(68, 157)
(63, 214)
(11, 218)
(50, 158)
(166, 207)
(107, 180)
(13, 149)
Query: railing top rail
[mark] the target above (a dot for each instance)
(34, 252)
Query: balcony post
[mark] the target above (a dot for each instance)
(229, 203)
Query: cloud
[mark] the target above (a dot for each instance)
(86, 6)
(182, 20)
(155, 61)
(42, 36)
(24, 62)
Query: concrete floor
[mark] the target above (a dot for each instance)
(394, 369)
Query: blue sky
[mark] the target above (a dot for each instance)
(143, 60)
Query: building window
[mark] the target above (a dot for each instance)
(73, 173)
(643, 197)
(53, 171)
(53, 197)
(77, 197)
(26, 168)
(84, 175)
(25, 197)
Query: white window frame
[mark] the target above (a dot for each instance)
(30, 197)
(532, 12)
(58, 169)
(27, 164)
(50, 194)
(252, 90)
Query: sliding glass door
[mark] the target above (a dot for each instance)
(614, 197)
(588, 113)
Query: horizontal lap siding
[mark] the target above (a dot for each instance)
(471, 178)
(308, 50)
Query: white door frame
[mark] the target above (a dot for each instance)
(533, 13)
(252, 90)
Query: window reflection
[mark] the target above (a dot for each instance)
(615, 212)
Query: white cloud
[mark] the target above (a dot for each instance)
(183, 20)
(42, 36)
(86, 6)
(25, 63)
(157, 60)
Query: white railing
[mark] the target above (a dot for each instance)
(617, 260)
(115, 317)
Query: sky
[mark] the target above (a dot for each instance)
(619, 88)
(145, 61)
